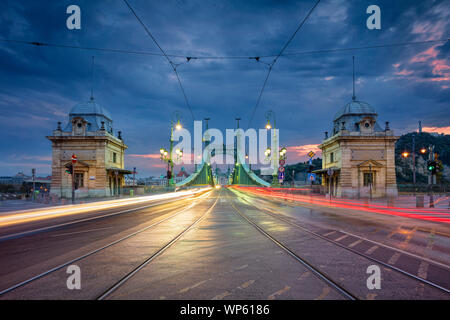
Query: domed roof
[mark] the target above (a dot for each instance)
(355, 108)
(89, 108)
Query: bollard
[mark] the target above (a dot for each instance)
(419, 201)
(390, 202)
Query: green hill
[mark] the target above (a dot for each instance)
(404, 165)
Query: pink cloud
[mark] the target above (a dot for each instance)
(148, 156)
(299, 153)
(444, 130)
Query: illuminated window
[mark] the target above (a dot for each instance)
(368, 179)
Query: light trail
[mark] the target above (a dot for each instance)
(435, 216)
(17, 217)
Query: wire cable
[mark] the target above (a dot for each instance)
(256, 58)
(276, 59)
(174, 67)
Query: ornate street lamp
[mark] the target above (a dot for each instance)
(166, 155)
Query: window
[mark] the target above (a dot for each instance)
(368, 179)
(332, 157)
(79, 180)
(114, 157)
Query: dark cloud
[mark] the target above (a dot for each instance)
(39, 85)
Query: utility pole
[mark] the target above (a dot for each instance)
(74, 161)
(134, 176)
(431, 176)
(293, 178)
(33, 174)
(414, 161)
(370, 184)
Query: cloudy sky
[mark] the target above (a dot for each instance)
(39, 85)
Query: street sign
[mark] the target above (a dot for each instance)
(282, 162)
(311, 177)
(281, 169)
(311, 154)
(280, 175)
(74, 158)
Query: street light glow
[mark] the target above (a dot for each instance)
(405, 154)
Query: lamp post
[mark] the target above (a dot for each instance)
(167, 155)
(270, 115)
(370, 182)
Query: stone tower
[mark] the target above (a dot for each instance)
(89, 135)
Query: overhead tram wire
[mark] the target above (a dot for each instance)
(188, 58)
(276, 59)
(172, 64)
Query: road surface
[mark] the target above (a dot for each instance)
(224, 244)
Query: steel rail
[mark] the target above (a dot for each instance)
(320, 274)
(45, 273)
(119, 283)
(435, 285)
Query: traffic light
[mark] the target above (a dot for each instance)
(431, 165)
(69, 168)
(169, 174)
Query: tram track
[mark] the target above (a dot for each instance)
(283, 218)
(318, 273)
(108, 245)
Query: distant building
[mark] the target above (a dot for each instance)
(89, 135)
(358, 159)
(15, 180)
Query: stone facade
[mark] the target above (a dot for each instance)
(100, 169)
(358, 160)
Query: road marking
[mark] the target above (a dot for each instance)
(355, 243)
(221, 296)
(193, 286)
(371, 296)
(246, 284)
(242, 267)
(329, 233)
(69, 233)
(399, 250)
(304, 275)
(394, 258)
(423, 270)
(279, 293)
(341, 238)
(325, 292)
(372, 249)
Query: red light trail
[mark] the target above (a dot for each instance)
(423, 214)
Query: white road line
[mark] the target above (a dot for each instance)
(325, 292)
(394, 258)
(221, 296)
(278, 293)
(329, 233)
(341, 238)
(399, 250)
(70, 233)
(423, 269)
(372, 249)
(193, 286)
(355, 243)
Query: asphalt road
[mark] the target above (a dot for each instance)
(225, 244)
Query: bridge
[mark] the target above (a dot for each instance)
(240, 175)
